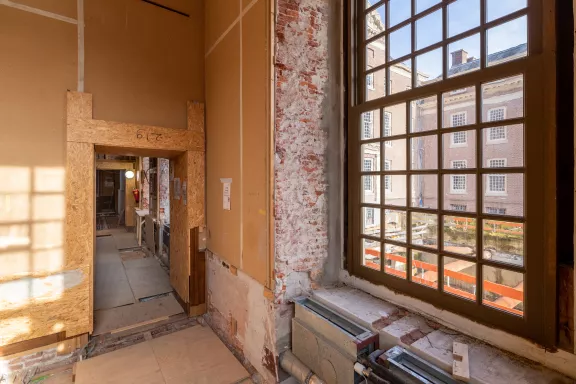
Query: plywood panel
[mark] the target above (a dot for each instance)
(116, 134)
(179, 233)
(114, 164)
(33, 96)
(220, 14)
(143, 63)
(196, 189)
(255, 142)
(61, 7)
(142, 152)
(223, 151)
(130, 203)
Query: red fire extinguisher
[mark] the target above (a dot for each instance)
(136, 194)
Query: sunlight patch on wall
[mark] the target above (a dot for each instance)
(49, 179)
(14, 327)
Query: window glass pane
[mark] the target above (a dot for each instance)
(460, 192)
(376, 85)
(401, 77)
(395, 225)
(370, 224)
(376, 53)
(459, 150)
(503, 242)
(400, 10)
(507, 42)
(370, 125)
(400, 42)
(370, 157)
(429, 67)
(422, 5)
(503, 99)
(424, 114)
(505, 142)
(375, 21)
(424, 150)
(395, 260)
(371, 254)
(395, 155)
(425, 268)
(460, 278)
(503, 192)
(463, 56)
(395, 120)
(425, 191)
(503, 290)
(370, 189)
(460, 235)
(429, 29)
(498, 8)
(424, 229)
(463, 15)
(396, 194)
(459, 107)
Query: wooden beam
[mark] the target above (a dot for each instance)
(114, 164)
(460, 365)
(110, 133)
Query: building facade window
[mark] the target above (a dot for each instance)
(368, 123)
(444, 115)
(370, 81)
(369, 219)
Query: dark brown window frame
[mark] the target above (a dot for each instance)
(539, 70)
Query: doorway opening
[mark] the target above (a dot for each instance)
(132, 249)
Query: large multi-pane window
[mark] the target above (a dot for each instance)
(458, 76)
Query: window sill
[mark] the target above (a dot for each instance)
(376, 307)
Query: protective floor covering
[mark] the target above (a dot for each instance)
(109, 320)
(147, 278)
(125, 240)
(111, 283)
(192, 356)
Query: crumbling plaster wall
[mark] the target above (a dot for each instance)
(308, 171)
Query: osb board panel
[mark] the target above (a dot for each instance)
(179, 233)
(220, 14)
(255, 142)
(79, 105)
(130, 204)
(196, 189)
(127, 41)
(60, 7)
(79, 204)
(196, 116)
(223, 141)
(33, 112)
(59, 302)
(114, 164)
(142, 152)
(109, 133)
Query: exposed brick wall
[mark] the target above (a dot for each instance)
(301, 140)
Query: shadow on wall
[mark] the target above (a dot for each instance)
(32, 209)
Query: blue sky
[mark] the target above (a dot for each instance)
(463, 15)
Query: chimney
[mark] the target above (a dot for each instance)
(458, 57)
(470, 59)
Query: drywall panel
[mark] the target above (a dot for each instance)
(220, 14)
(246, 3)
(32, 96)
(61, 7)
(179, 230)
(143, 63)
(223, 145)
(255, 142)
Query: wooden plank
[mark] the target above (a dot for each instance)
(30, 346)
(179, 232)
(196, 119)
(460, 365)
(110, 133)
(196, 189)
(114, 164)
(129, 202)
(137, 152)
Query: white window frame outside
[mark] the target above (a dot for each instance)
(387, 178)
(452, 115)
(489, 191)
(368, 184)
(366, 223)
(489, 130)
(370, 121)
(388, 130)
(370, 81)
(493, 210)
(454, 144)
(454, 191)
(464, 164)
(453, 207)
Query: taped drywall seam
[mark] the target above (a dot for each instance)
(80, 6)
(37, 11)
(242, 13)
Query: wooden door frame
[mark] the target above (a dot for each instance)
(185, 147)
(119, 165)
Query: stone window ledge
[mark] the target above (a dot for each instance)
(431, 338)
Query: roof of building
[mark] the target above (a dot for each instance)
(498, 56)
